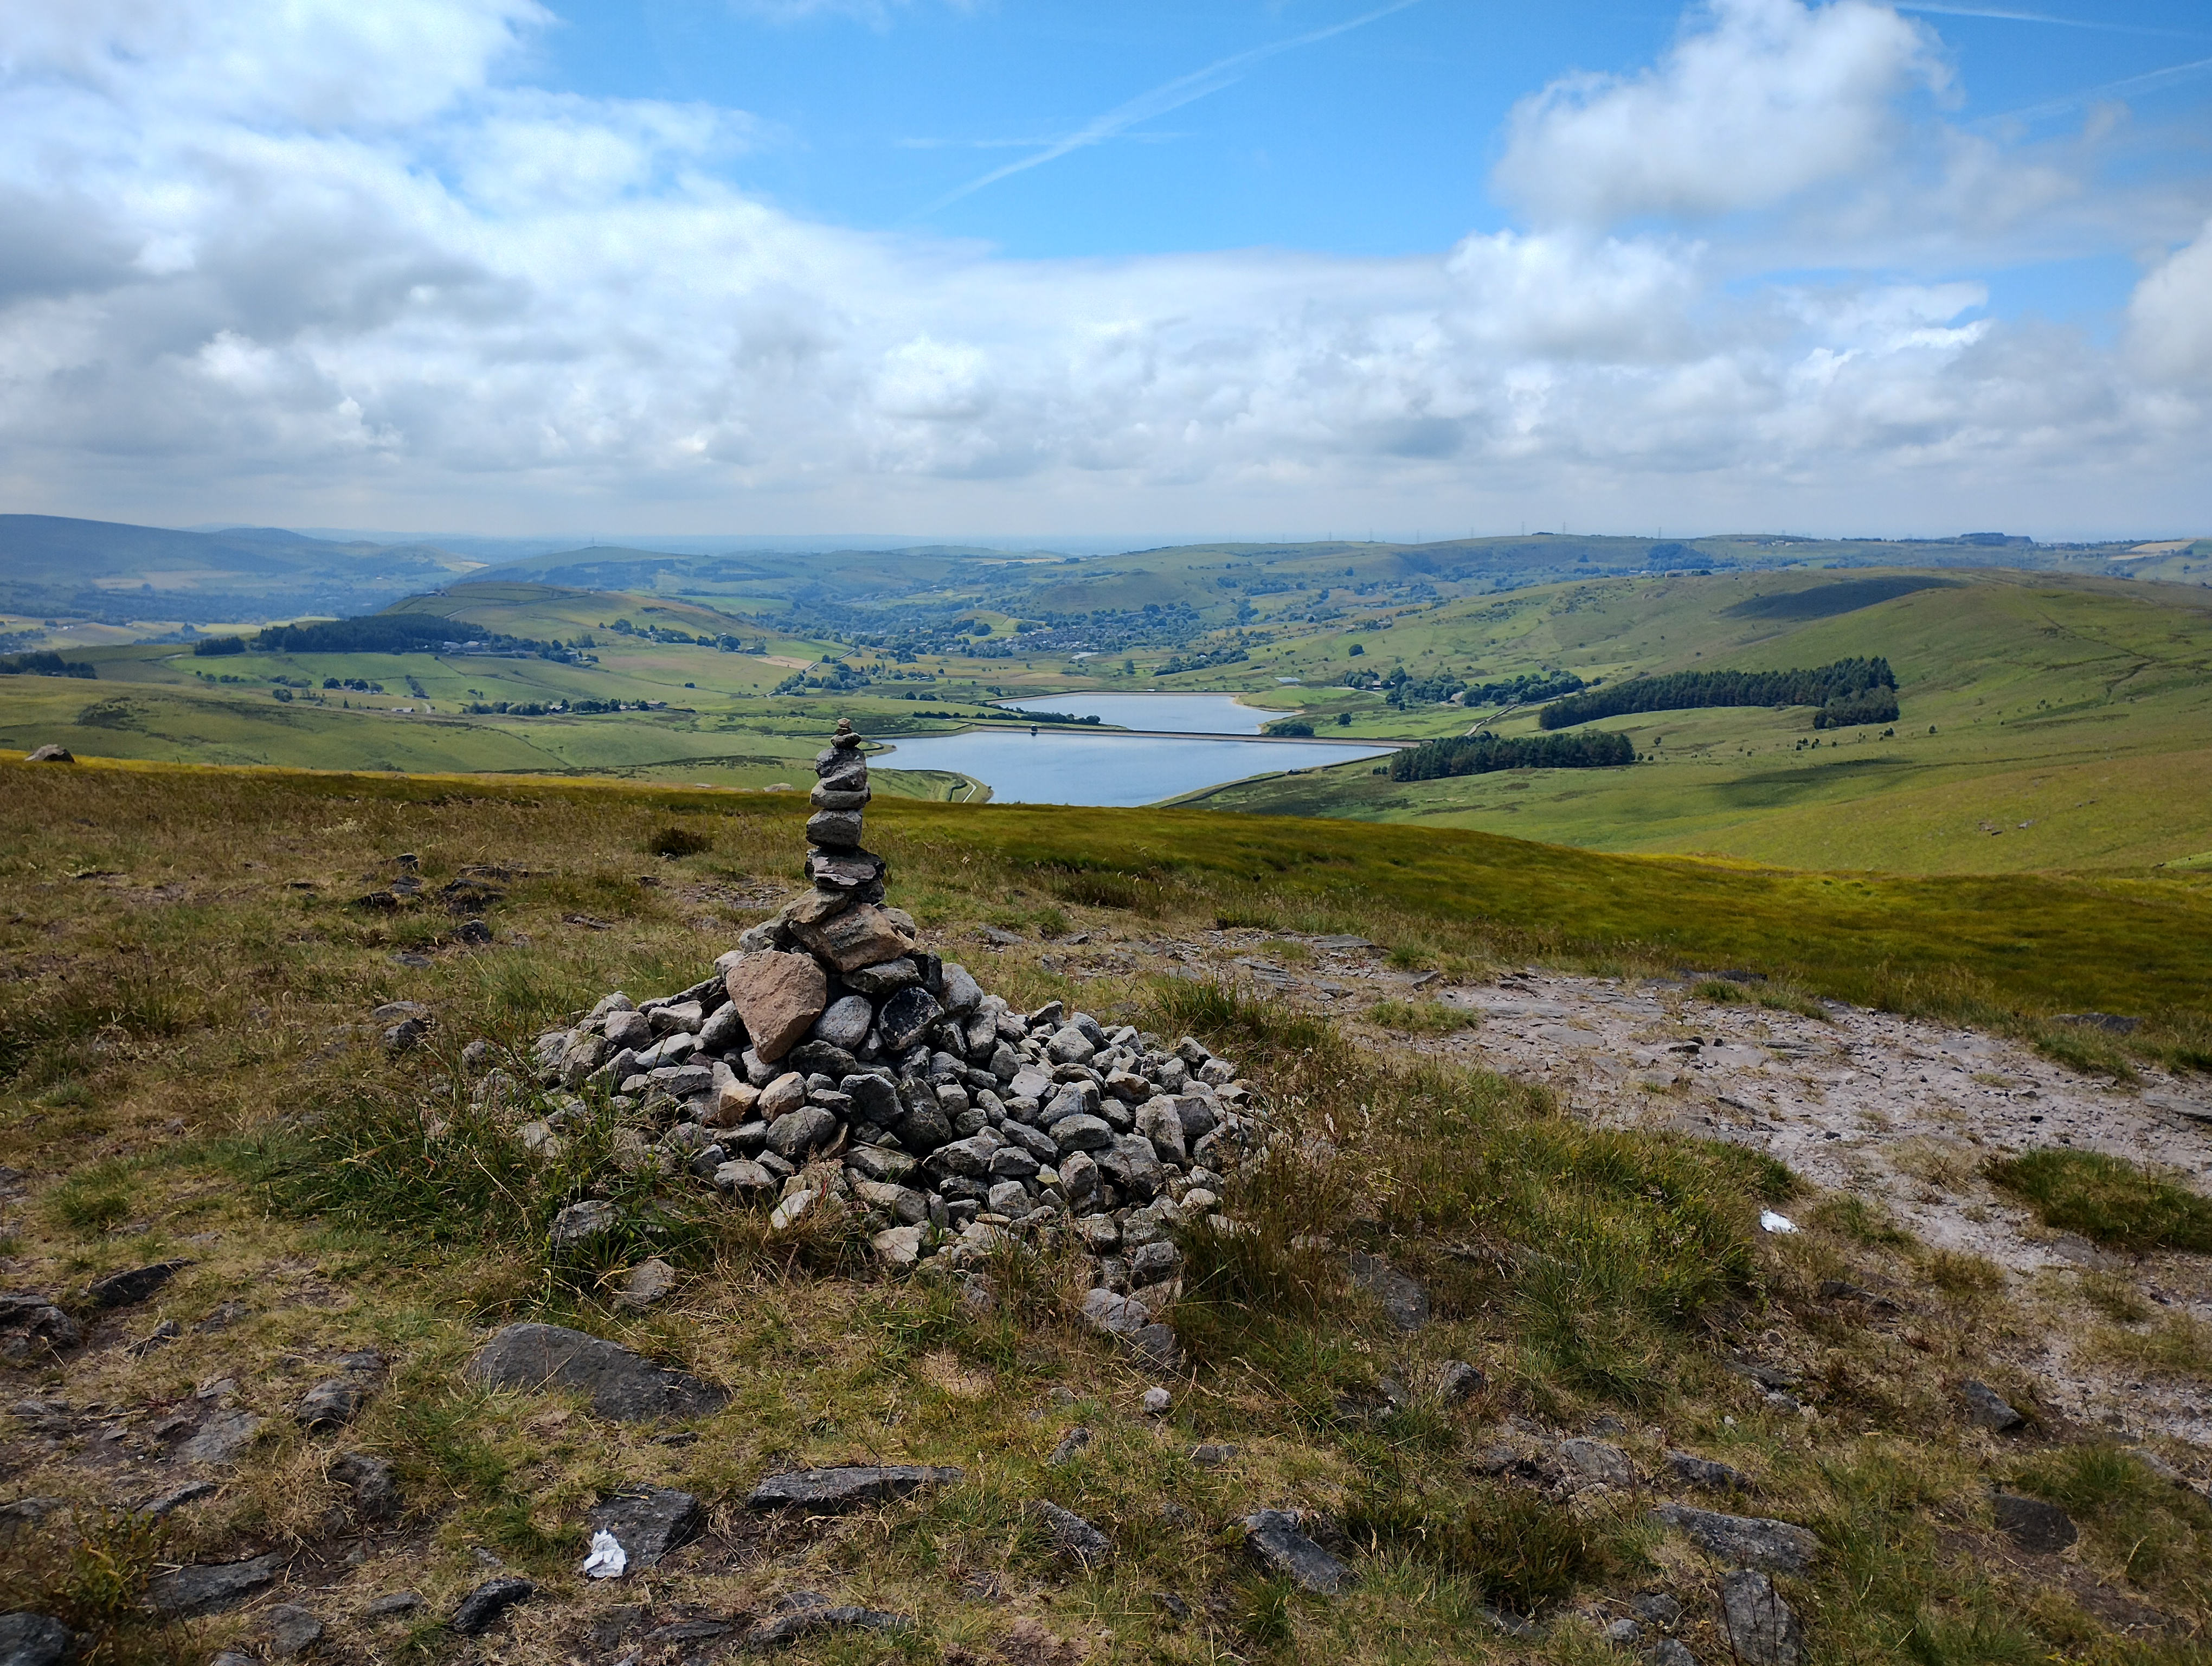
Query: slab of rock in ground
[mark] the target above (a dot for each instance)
(1759, 1540)
(169, 1503)
(779, 996)
(210, 1588)
(123, 1289)
(828, 1492)
(1403, 1300)
(2032, 1524)
(1670, 1651)
(1761, 1629)
(375, 1491)
(292, 1631)
(1694, 1471)
(1275, 1540)
(480, 1610)
(1072, 1537)
(579, 1223)
(647, 1282)
(329, 1403)
(1988, 1408)
(621, 1384)
(35, 1639)
(805, 1614)
(1457, 1381)
(1070, 1443)
(648, 1523)
(33, 1325)
(1598, 1460)
(221, 1438)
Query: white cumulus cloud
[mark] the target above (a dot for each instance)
(309, 260)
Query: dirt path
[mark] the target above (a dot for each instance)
(1899, 1110)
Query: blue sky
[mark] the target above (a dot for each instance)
(698, 267)
(1375, 140)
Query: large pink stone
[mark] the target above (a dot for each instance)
(779, 996)
(861, 936)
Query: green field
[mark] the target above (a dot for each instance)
(2051, 720)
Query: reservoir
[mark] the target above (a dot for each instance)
(1084, 766)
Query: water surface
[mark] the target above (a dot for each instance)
(1076, 766)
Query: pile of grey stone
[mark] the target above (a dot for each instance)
(832, 1057)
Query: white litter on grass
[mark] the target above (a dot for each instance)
(1771, 1222)
(608, 1558)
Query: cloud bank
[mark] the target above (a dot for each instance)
(318, 261)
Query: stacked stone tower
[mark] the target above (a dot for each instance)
(837, 864)
(833, 1052)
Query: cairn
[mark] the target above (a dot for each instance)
(832, 1054)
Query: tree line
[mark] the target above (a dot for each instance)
(1859, 691)
(1480, 754)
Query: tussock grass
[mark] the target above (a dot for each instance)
(90, 1571)
(2107, 1199)
(1425, 1017)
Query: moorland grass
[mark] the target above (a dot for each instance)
(1588, 1274)
(2106, 1199)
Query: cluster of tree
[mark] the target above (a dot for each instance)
(43, 663)
(1480, 754)
(391, 633)
(1877, 705)
(1201, 661)
(833, 677)
(215, 646)
(1854, 685)
(1289, 726)
(559, 707)
(1401, 688)
(1051, 717)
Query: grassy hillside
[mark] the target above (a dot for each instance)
(2047, 722)
(190, 1069)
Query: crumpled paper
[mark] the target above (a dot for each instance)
(608, 1558)
(1771, 1222)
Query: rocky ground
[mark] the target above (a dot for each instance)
(1900, 1111)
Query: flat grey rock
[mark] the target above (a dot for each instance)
(830, 1491)
(1761, 1629)
(1072, 1537)
(1759, 1540)
(329, 1404)
(1988, 1408)
(221, 1438)
(213, 1587)
(375, 1493)
(292, 1631)
(620, 1384)
(1405, 1301)
(479, 1611)
(1273, 1538)
(2032, 1524)
(1598, 1460)
(35, 1639)
(122, 1289)
(807, 1614)
(648, 1523)
(1715, 1477)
